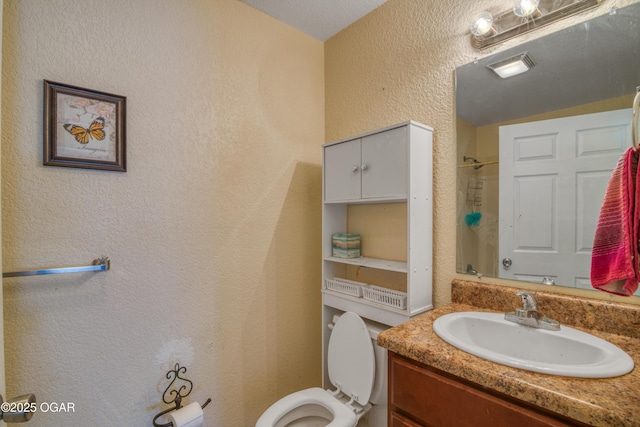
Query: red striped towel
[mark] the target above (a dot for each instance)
(614, 259)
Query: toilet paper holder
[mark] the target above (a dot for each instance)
(178, 389)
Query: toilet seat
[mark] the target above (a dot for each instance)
(351, 367)
(342, 416)
(350, 358)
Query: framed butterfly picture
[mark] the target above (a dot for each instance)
(84, 128)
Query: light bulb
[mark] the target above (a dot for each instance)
(525, 8)
(482, 24)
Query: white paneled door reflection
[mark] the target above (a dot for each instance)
(553, 175)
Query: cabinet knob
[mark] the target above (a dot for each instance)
(354, 169)
(363, 167)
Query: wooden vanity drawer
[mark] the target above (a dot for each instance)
(435, 400)
(398, 420)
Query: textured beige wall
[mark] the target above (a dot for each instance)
(398, 63)
(213, 232)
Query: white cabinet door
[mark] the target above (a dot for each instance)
(342, 171)
(385, 164)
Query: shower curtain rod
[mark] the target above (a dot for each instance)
(478, 165)
(99, 264)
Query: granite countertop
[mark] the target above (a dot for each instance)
(604, 402)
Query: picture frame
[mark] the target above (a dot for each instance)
(84, 128)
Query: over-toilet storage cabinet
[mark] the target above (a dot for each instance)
(389, 165)
(389, 170)
(386, 168)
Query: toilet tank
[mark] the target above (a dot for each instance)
(379, 392)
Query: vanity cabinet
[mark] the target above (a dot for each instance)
(389, 166)
(423, 396)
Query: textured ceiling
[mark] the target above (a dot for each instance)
(318, 18)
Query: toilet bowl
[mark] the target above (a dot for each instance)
(357, 369)
(309, 407)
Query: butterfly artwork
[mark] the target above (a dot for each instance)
(84, 135)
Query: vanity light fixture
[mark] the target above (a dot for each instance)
(482, 25)
(526, 8)
(524, 16)
(512, 66)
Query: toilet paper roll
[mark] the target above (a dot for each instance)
(188, 416)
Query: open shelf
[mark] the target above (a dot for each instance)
(371, 200)
(365, 308)
(381, 264)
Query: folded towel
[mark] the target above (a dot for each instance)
(614, 259)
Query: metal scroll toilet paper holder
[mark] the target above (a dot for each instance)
(174, 393)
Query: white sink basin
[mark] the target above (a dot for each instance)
(568, 352)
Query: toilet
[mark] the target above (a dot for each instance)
(358, 371)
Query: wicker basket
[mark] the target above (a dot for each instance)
(345, 286)
(391, 298)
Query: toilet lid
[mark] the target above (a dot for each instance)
(351, 361)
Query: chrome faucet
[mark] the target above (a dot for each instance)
(528, 315)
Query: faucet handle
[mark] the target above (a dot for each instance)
(529, 302)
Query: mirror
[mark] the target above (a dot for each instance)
(586, 72)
